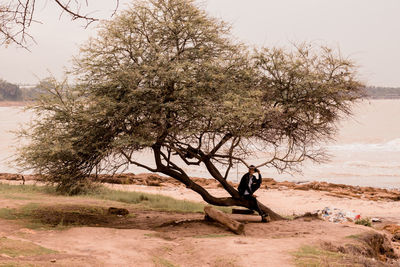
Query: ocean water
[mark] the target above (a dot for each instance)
(366, 151)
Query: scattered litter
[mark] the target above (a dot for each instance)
(338, 216)
(376, 220)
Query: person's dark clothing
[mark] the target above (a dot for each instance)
(247, 186)
(254, 203)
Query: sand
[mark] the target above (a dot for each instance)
(194, 242)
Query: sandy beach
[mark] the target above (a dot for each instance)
(154, 238)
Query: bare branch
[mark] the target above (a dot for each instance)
(74, 15)
(128, 157)
(17, 16)
(220, 144)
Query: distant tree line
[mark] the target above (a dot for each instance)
(10, 92)
(13, 92)
(383, 92)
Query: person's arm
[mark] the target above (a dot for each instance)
(257, 182)
(259, 177)
(242, 185)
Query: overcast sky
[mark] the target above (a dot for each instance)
(368, 31)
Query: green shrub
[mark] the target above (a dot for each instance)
(365, 222)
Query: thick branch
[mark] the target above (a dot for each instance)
(217, 175)
(220, 144)
(182, 177)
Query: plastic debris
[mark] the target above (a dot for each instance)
(338, 216)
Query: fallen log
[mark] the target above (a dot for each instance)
(224, 219)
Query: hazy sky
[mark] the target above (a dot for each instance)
(366, 30)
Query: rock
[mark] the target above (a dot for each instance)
(304, 187)
(118, 211)
(396, 237)
(372, 245)
(153, 181)
(380, 245)
(392, 228)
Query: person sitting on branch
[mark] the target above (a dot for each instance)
(248, 185)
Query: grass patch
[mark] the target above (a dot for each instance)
(6, 189)
(309, 256)
(151, 201)
(221, 262)
(357, 237)
(15, 214)
(25, 214)
(14, 264)
(60, 217)
(17, 248)
(289, 217)
(17, 197)
(142, 200)
(158, 261)
(365, 222)
(8, 214)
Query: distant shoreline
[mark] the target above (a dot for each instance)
(25, 103)
(157, 181)
(13, 103)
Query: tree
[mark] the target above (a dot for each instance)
(163, 76)
(9, 91)
(16, 17)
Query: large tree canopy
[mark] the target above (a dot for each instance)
(166, 77)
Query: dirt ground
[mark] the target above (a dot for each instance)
(155, 238)
(190, 243)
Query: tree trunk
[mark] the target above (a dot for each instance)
(273, 215)
(224, 219)
(178, 174)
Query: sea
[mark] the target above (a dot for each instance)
(365, 152)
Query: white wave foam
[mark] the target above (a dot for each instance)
(390, 146)
(370, 164)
